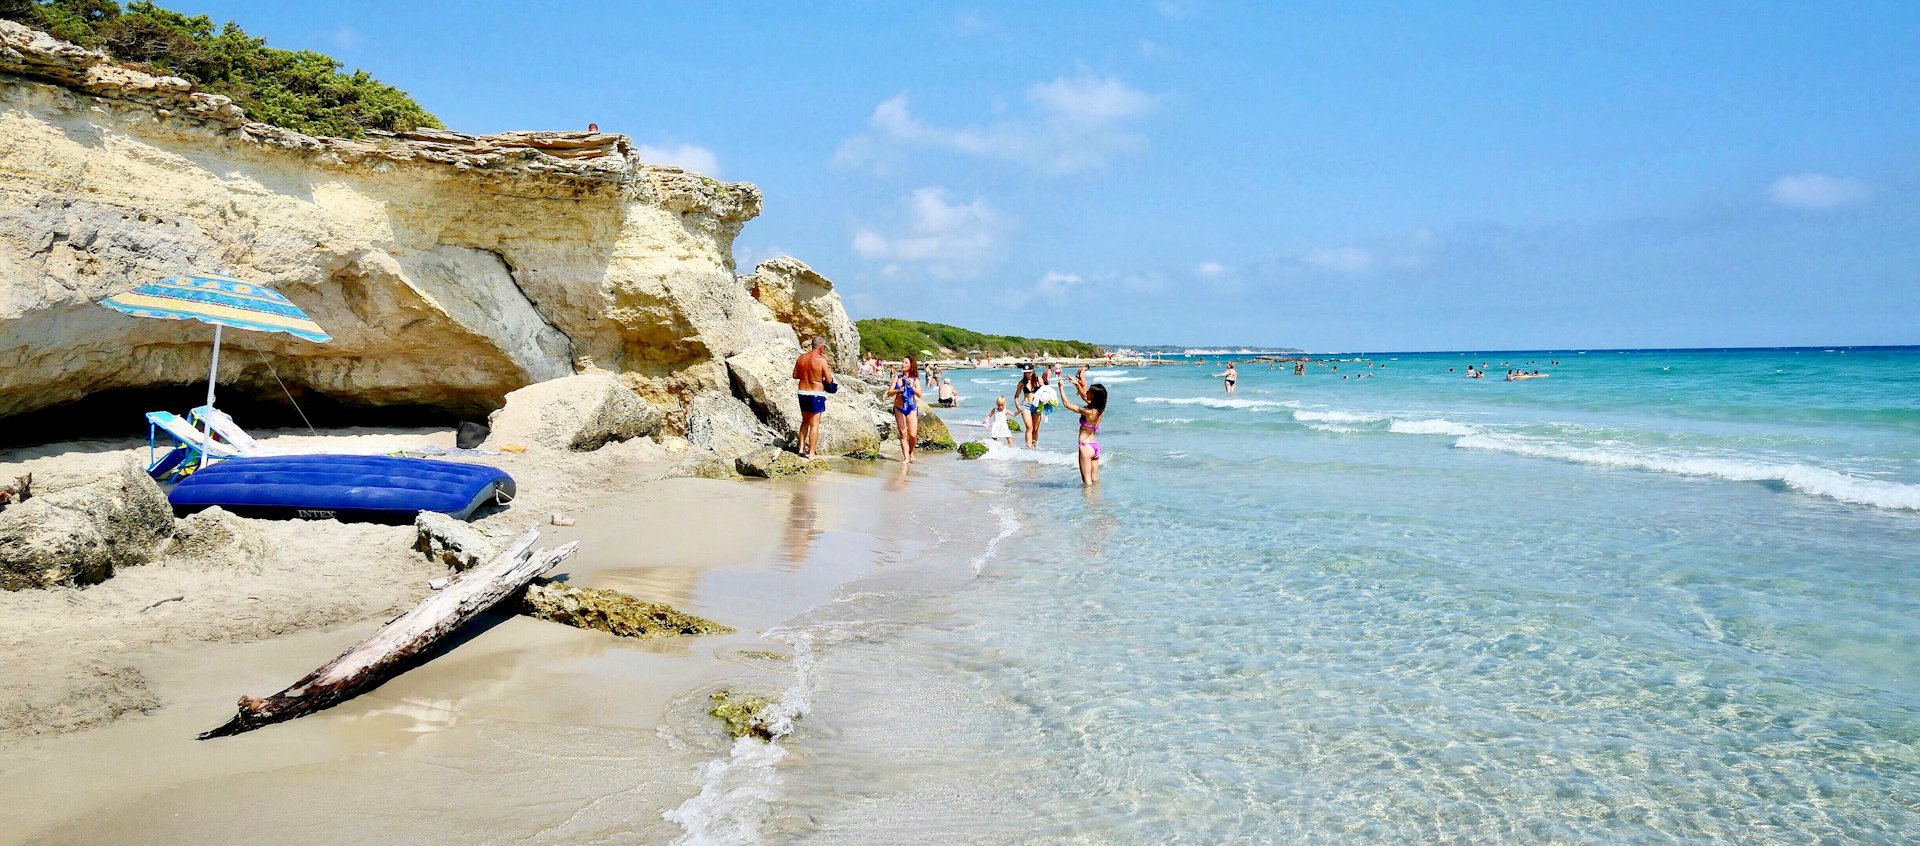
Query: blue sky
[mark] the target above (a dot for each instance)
(1333, 176)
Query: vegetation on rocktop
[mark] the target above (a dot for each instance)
(890, 338)
(301, 90)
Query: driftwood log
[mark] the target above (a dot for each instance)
(408, 636)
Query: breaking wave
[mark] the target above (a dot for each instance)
(1220, 402)
(1431, 427)
(1807, 479)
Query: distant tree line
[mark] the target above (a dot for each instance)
(892, 338)
(299, 89)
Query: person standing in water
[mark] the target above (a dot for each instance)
(814, 376)
(1026, 399)
(996, 423)
(1230, 375)
(1089, 435)
(906, 410)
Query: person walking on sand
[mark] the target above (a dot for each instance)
(1089, 436)
(816, 381)
(1230, 375)
(1026, 399)
(996, 423)
(906, 410)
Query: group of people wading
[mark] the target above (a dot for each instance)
(1034, 398)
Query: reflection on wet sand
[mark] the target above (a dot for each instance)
(803, 518)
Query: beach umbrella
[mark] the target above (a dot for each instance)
(926, 353)
(222, 301)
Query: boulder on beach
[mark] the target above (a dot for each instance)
(933, 432)
(580, 413)
(774, 463)
(972, 449)
(762, 375)
(80, 535)
(725, 425)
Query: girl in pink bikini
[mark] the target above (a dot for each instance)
(1090, 415)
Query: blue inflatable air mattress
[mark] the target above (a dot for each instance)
(341, 487)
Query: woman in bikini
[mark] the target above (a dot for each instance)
(1090, 416)
(906, 410)
(1231, 376)
(1027, 400)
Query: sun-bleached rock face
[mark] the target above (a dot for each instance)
(579, 413)
(451, 269)
(803, 299)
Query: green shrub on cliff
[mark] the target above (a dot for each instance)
(891, 338)
(298, 89)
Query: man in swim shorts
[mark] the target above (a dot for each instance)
(814, 375)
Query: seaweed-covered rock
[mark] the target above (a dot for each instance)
(774, 463)
(611, 611)
(746, 715)
(704, 466)
(972, 449)
(933, 433)
(80, 535)
(580, 413)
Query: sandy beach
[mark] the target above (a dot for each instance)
(584, 735)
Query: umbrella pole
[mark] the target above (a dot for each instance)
(213, 370)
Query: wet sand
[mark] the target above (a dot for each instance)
(525, 731)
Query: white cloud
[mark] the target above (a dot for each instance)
(1211, 269)
(346, 37)
(1072, 124)
(1052, 288)
(1174, 9)
(1818, 192)
(969, 22)
(948, 240)
(1340, 259)
(689, 156)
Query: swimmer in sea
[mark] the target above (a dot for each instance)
(1230, 375)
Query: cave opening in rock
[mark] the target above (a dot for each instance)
(121, 413)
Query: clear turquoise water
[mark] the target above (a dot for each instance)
(1657, 597)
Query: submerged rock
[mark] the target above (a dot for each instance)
(745, 715)
(972, 449)
(933, 433)
(80, 535)
(611, 611)
(774, 463)
(579, 413)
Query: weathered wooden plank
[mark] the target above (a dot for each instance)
(381, 656)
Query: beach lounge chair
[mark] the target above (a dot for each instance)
(223, 427)
(192, 448)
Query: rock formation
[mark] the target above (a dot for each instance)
(451, 269)
(580, 413)
(79, 535)
(803, 299)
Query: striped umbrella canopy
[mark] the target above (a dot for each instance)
(221, 301)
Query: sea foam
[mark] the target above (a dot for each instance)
(1431, 427)
(737, 791)
(1228, 403)
(1807, 479)
(1336, 417)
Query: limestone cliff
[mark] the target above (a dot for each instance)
(450, 268)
